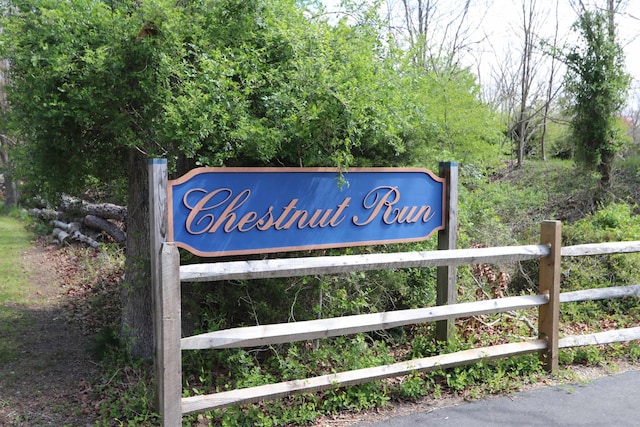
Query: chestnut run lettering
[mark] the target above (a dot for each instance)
(380, 202)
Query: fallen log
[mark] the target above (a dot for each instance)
(77, 235)
(46, 214)
(69, 228)
(64, 233)
(102, 210)
(108, 227)
(60, 236)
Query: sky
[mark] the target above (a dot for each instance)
(502, 19)
(496, 25)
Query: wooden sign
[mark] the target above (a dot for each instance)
(232, 211)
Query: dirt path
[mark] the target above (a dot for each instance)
(45, 381)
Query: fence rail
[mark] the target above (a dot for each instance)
(599, 338)
(291, 267)
(600, 293)
(324, 382)
(609, 248)
(548, 301)
(323, 328)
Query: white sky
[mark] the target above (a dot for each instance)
(499, 28)
(501, 24)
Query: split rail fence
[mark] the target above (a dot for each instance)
(170, 343)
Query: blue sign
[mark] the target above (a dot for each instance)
(231, 211)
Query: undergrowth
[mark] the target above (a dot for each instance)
(612, 223)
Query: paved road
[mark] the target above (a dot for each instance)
(608, 401)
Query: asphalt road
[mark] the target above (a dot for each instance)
(608, 401)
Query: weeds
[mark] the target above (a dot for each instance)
(126, 392)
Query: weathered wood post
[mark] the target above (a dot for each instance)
(169, 371)
(447, 238)
(165, 280)
(549, 314)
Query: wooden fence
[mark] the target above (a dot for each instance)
(170, 344)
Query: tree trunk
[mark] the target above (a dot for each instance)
(550, 95)
(604, 168)
(10, 187)
(10, 191)
(525, 81)
(137, 321)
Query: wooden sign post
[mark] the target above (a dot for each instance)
(447, 239)
(165, 280)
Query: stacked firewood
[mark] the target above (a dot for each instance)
(76, 220)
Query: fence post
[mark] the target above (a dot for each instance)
(446, 275)
(166, 294)
(169, 371)
(549, 314)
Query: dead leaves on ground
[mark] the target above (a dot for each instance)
(90, 281)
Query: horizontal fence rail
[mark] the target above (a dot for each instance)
(358, 376)
(292, 267)
(324, 328)
(599, 338)
(600, 293)
(609, 248)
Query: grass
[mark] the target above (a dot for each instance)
(14, 240)
(14, 282)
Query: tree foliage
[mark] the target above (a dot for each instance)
(222, 83)
(597, 83)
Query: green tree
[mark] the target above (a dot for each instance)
(99, 87)
(597, 85)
